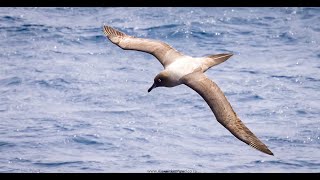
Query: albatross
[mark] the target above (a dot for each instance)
(182, 69)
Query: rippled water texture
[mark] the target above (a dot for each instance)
(71, 101)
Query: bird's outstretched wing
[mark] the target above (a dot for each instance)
(162, 51)
(222, 109)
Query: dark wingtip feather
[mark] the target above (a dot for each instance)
(269, 152)
(261, 147)
(109, 31)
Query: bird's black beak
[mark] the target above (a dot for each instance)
(153, 86)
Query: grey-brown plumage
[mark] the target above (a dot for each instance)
(222, 109)
(182, 69)
(160, 50)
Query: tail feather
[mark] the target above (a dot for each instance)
(214, 60)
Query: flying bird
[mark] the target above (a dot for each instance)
(182, 69)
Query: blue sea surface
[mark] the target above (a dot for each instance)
(72, 101)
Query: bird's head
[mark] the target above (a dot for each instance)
(162, 79)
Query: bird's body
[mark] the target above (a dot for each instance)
(181, 69)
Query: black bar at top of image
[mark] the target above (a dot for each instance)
(160, 3)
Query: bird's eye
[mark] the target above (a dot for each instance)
(159, 80)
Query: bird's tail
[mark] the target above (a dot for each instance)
(214, 60)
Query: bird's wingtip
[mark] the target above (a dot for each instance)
(109, 31)
(270, 153)
(261, 147)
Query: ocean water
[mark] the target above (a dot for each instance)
(71, 101)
